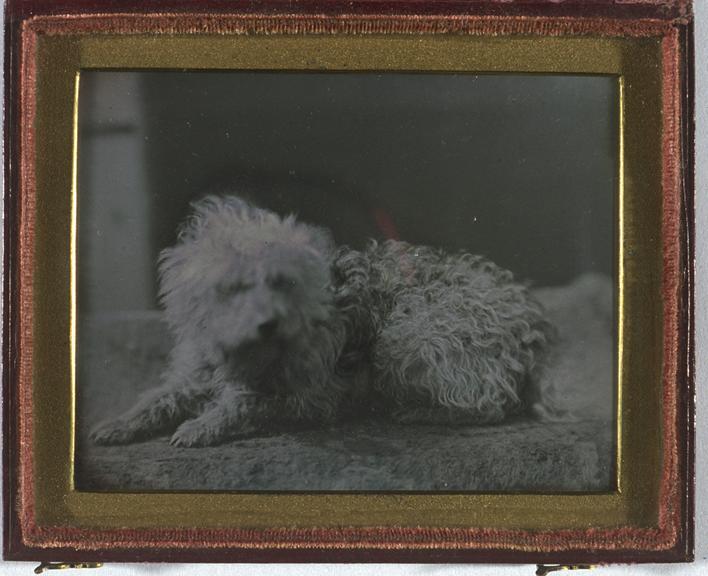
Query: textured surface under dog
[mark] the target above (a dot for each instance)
(129, 355)
(369, 456)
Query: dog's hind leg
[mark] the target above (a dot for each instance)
(159, 411)
(542, 396)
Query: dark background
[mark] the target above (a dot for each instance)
(520, 168)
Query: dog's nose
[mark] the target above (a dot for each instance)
(267, 329)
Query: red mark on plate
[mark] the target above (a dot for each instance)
(385, 224)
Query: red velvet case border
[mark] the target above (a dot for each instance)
(671, 541)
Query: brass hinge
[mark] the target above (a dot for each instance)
(44, 566)
(543, 569)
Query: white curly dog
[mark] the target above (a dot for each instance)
(275, 328)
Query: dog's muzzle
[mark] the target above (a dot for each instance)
(267, 330)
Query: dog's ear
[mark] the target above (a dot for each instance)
(177, 282)
(322, 241)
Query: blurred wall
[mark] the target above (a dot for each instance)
(521, 168)
(115, 250)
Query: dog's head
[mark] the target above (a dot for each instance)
(245, 279)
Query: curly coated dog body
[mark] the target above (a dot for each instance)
(275, 328)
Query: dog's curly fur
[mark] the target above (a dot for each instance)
(276, 328)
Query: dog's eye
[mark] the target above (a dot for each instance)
(282, 283)
(228, 290)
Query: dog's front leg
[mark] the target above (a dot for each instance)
(236, 412)
(156, 412)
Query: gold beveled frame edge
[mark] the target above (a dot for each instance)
(99, 518)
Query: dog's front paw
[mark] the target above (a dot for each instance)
(195, 433)
(111, 432)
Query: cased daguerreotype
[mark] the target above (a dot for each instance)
(382, 281)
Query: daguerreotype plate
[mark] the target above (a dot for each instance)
(349, 281)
